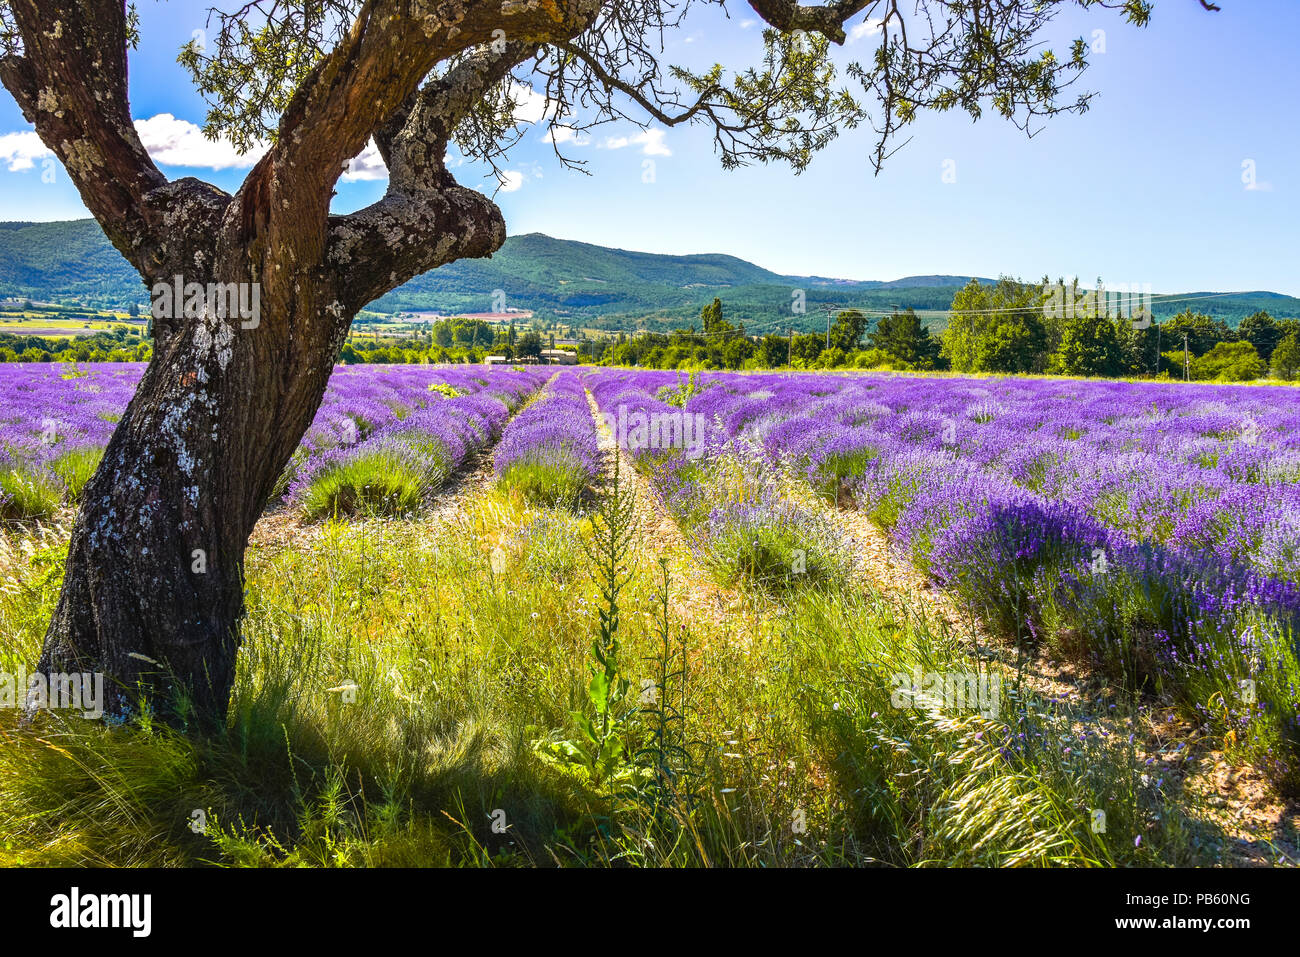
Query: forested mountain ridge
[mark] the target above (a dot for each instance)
(594, 285)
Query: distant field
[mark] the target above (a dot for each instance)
(50, 327)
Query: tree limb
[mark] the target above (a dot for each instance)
(425, 218)
(788, 16)
(70, 82)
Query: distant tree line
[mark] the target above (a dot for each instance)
(898, 341)
(1011, 327)
(119, 345)
(1007, 327)
(449, 340)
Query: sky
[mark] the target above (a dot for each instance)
(1184, 174)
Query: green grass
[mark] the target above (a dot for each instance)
(380, 482)
(75, 467)
(758, 528)
(27, 495)
(557, 482)
(837, 473)
(774, 552)
(778, 739)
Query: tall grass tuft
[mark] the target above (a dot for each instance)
(28, 495)
(75, 467)
(386, 480)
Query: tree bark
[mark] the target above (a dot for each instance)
(153, 590)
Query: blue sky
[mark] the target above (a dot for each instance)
(1146, 187)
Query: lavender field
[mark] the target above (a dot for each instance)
(405, 428)
(817, 619)
(1149, 532)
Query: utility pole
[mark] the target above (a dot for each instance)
(828, 327)
(789, 358)
(1157, 350)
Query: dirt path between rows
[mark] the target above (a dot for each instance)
(895, 577)
(695, 594)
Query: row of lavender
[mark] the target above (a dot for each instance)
(738, 521)
(549, 452)
(385, 441)
(1152, 530)
(385, 436)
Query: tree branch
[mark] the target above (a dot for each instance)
(405, 234)
(788, 16)
(70, 82)
(355, 90)
(634, 93)
(425, 218)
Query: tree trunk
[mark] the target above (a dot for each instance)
(153, 591)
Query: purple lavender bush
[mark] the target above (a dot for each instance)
(386, 438)
(549, 451)
(54, 423)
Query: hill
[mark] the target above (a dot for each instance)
(583, 283)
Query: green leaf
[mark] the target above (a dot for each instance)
(598, 692)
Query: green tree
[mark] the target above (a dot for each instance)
(832, 358)
(1286, 358)
(1011, 345)
(1202, 332)
(1229, 362)
(1137, 347)
(1090, 346)
(1262, 332)
(773, 351)
(736, 352)
(905, 338)
(806, 348)
(529, 346)
(715, 327)
(997, 328)
(847, 329)
(966, 325)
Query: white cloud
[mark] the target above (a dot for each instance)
(367, 164)
(567, 134)
(746, 24)
(867, 28)
(511, 180)
(175, 142)
(530, 106)
(651, 143)
(19, 150)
